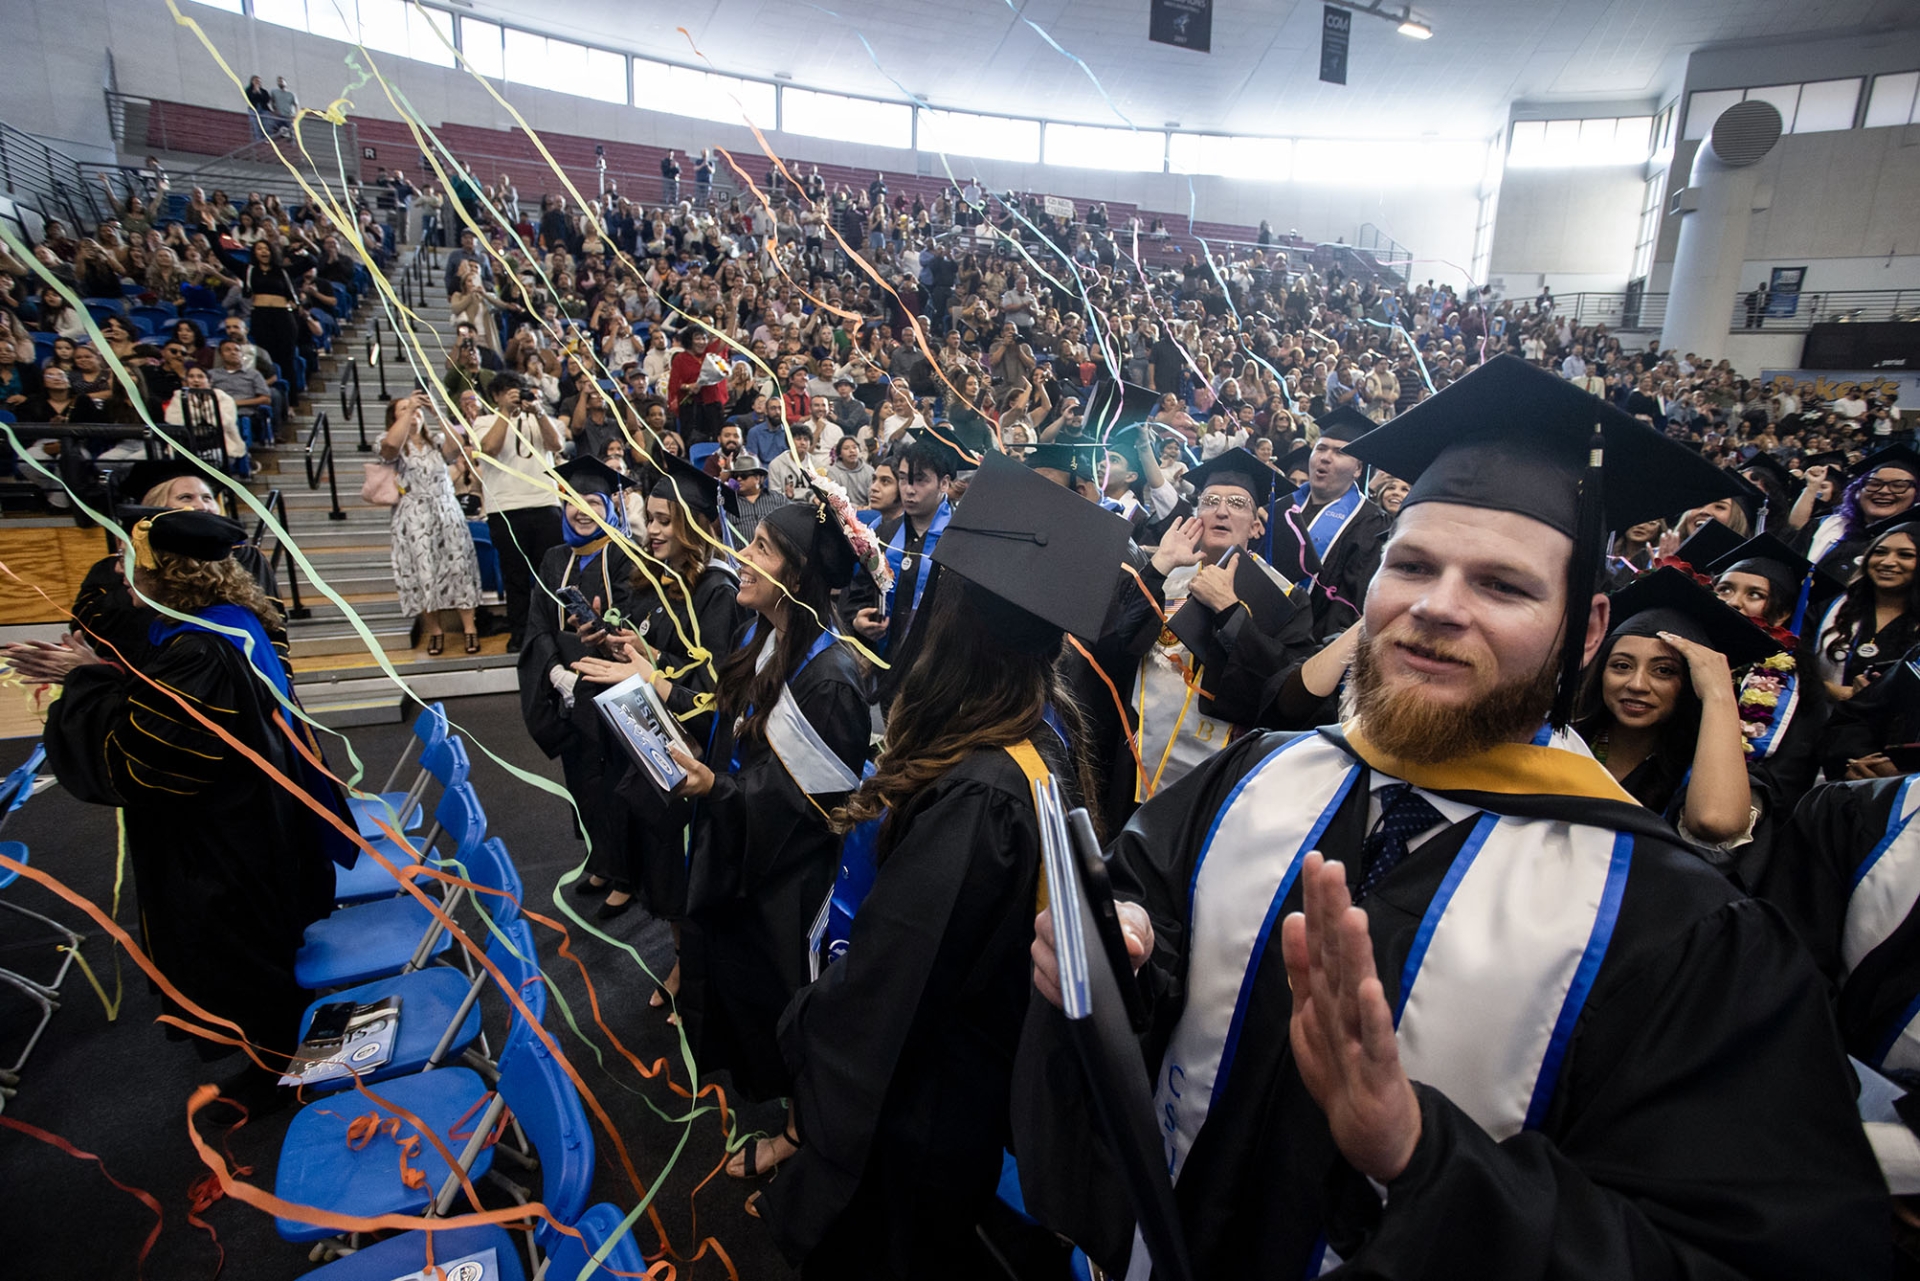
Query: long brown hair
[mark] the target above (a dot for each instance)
(186, 584)
(684, 567)
(738, 685)
(968, 690)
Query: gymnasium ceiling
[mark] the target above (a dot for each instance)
(1261, 77)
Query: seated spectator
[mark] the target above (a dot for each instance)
(851, 471)
(244, 385)
(187, 407)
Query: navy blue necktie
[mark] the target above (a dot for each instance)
(1404, 814)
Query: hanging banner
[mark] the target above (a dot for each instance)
(1783, 294)
(1186, 23)
(1336, 28)
(1059, 206)
(1830, 384)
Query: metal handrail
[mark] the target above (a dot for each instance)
(322, 430)
(56, 181)
(351, 403)
(280, 557)
(376, 360)
(1647, 312)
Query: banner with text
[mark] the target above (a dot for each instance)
(1829, 384)
(1336, 29)
(1186, 23)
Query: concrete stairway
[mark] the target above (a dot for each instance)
(337, 676)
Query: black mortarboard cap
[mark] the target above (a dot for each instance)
(813, 529)
(1668, 600)
(144, 475)
(1236, 466)
(1900, 456)
(1835, 460)
(1079, 460)
(682, 482)
(1344, 422)
(588, 475)
(1513, 437)
(1296, 460)
(1037, 547)
(1779, 564)
(1516, 438)
(1763, 464)
(1709, 543)
(1268, 609)
(196, 535)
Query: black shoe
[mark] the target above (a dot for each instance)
(585, 888)
(513, 646)
(608, 910)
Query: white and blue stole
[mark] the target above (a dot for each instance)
(797, 745)
(1332, 519)
(919, 564)
(1490, 993)
(1886, 886)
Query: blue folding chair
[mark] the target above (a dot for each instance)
(366, 879)
(567, 1258)
(489, 558)
(200, 298)
(402, 809)
(131, 289)
(14, 791)
(440, 1006)
(156, 318)
(390, 935)
(698, 454)
(317, 1169)
(43, 345)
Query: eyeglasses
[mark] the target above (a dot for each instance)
(1225, 502)
(1894, 487)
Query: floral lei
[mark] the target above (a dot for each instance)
(1760, 689)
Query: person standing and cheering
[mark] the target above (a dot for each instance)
(518, 442)
(1531, 1049)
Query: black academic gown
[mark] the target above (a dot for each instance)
(902, 1052)
(763, 859)
(1340, 581)
(1703, 1123)
(1232, 695)
(657, 828)
(590, 758)
(1811, 880)
(230, 867)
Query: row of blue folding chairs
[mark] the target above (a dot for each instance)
(380, 943)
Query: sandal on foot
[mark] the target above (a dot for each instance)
(473, 642)
(750, 1158)
(436, 643)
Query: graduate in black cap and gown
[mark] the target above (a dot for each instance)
(230, 865)
(1328, 534)
(684, 599)
(795, 726)
(901, 1053)
(555, 699)
(1660, 709)
(1200, 656)
(1882, 493)
(1534, 1049)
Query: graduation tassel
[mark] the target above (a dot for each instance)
(1800, 606)
(1589, 532)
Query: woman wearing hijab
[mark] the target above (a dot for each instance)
(557, 701)
(1659, 710)
(902, 1052)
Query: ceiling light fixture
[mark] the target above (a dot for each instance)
(1401, 15)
